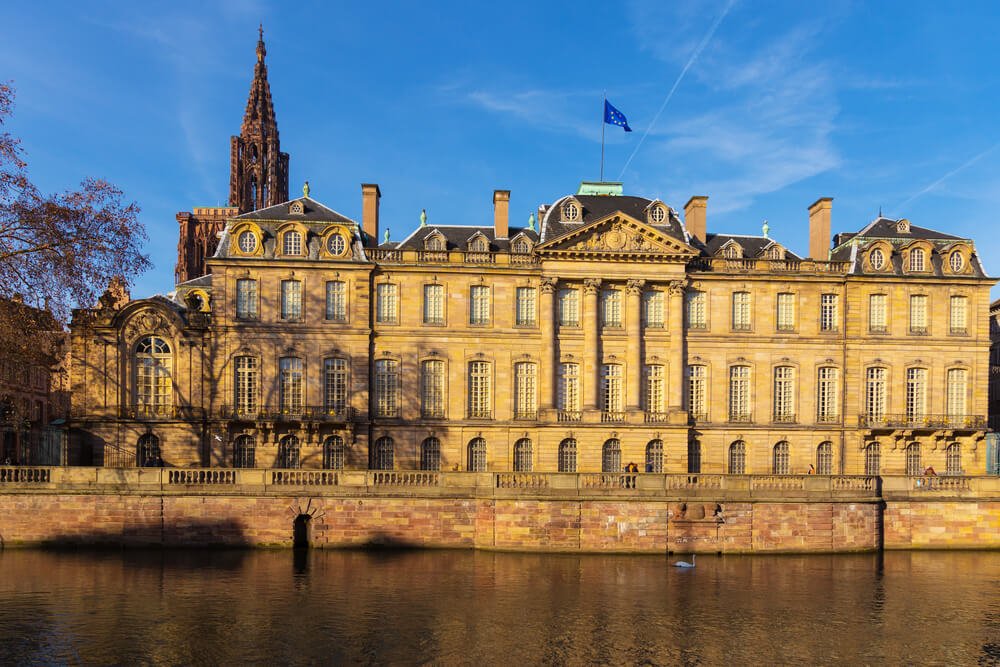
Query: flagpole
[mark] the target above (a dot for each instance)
(603, 107)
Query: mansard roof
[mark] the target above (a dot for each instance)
(457, 237)
(753, 246)
(595, 207)
(313, 211)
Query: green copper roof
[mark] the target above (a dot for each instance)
(606, 188)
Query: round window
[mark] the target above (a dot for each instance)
(877, 259)
(571, 212)
(336, 244)
(956, 261)
(657, 215)
(248, 241)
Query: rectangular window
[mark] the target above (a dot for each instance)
(918, 314)
(387, 388)
(336, 301)
(697, 404)
(525, 390)
(569, 307)
(957, 391)
(696, 310)
(611, 308)
(525, 307)
(246, 299)
(654, 389)
(611, 387)
(386, 303)
(291, 300)
(247, 385)
(432, 389)
(958, 315)
(875, 394)
(784, 394)
(916, 393)
(569, 387)
(653, 311)
(433, 304)
(335, 385)
(786, 312)
(739, 394)
(876, 313)
(292, 387)
(479, 305)
(741, 311)
(829, 312)
(827, 395)
(479, 390)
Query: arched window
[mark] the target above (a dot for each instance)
(153, 387)
(244, 452)
(917, 256)
(873, 458)
(953, 459)
(824, 458)
(522, 455)
(292, 243)
(732, 252)
(694, 456)
(333, 453)
(381, 456)
(477, 455)
(147, 454)
(781, 464)
(430, 454)
(654, 456)
(434, 242)
(913, 466)
(611, 456)
(478, 244)
(567, 455)
(521, 247)
(738, 458)
(288, 453)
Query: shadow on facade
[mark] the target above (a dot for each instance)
(220, 534)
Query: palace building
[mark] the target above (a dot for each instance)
(609, 329)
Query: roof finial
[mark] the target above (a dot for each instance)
(305, 189)
(531, 221)
(423, 217)
(765, 228)
(261, 51)
(385, 235)
(880, 210)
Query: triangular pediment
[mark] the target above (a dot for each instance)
(618, 235)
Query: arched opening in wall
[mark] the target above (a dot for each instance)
(824, 458)
(300, 531)
(477, 455)
(244, 451)
(654, 456)
(430, 454)
(738, 458)
(567, 455)
(780, 464)
(913, 467)
(873, 459)
(694, 456)
(611, 456)
(522, 455)
(147, 452)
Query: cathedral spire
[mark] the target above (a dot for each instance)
(258, 174)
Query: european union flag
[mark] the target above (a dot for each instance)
(613, 116)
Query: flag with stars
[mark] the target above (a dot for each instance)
(613, 116)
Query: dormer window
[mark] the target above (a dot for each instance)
(336, 244)
(956, 262)
(571, 212)
(434, 242)
(732, 251)
(478, 244)
(292, 243)
(775, 252)
(903, 226)
(917, 259)
(296, 208)
(247, 242)
(657, 214)
(876, 258)
(521, 247)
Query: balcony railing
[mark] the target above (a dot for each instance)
(785, 419)
(160, 412)
(740, 417)
(525, 414)
(612, 416)
(569, 415)
(698, 417)
(918, 331)
(479, 413)
(878, 329)
(971, 422)
(656, 417)
(287, 414)
(763, 265)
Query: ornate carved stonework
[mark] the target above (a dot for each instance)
(634, 287)
(620, 236)
(591, 285)
(548, 285)
(676, 287)
(145, 322)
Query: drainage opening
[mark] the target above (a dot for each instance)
(300, 531)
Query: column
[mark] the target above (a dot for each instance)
(678, 358)
(547, 355)
(591, 346)
(633, 344)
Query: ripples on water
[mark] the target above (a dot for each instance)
(442, 607)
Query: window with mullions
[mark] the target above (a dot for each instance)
(697, 310)
(430, 454)
(525, 390)
(244, 452)
(246, 299)
(567, 455)
(918, 314)
(953, 459)
(333, 453)
(655, 395)
(877, 313)
(738, 458)
(875, 393)
(382, 455)
(654, 456)
(785, 312)
(336, 301)
(916, 393)
(958, 315)
(434, 304)
(386, 388)
(386, 303)
(477, 455)
(957, 388)
(288, 453)
(525, 307)
(432, 380)
(828, 395)
(153, 385)
(335, 385)
(611, 456)
(739, 394)
(568, 302)
(824, 458)
(522, 455)
(697, 403)
(479, 305)
(741, 311)
(611, 388)
(784, 394)
(653, 309)
(873, 459)
(913, 464)
(147, 454)
(829, 312)
(291, 300)
(247, 386)
(611, 308)
(292, 243)
(569, 387)
(781, 464)
(479, 390)
(292, 387)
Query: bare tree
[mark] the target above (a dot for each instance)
(57, 251)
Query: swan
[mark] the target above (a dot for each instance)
(682, 563)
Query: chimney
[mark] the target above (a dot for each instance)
(819, 229)
(369, 212)
(501, 210)
(694, 217)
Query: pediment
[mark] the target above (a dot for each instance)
(618, 235)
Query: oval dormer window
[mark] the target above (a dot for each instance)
(877, 259)
(335, 244)
(248, 242)
(956, 262)
(658, 214)
(571, 211)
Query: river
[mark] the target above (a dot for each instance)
(464, 607)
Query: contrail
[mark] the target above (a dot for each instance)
(680, 77)
(951, 173)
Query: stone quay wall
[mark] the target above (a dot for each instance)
(644, 513)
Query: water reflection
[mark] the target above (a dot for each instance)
(447, 607)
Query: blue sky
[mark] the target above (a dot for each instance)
(881, 104)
